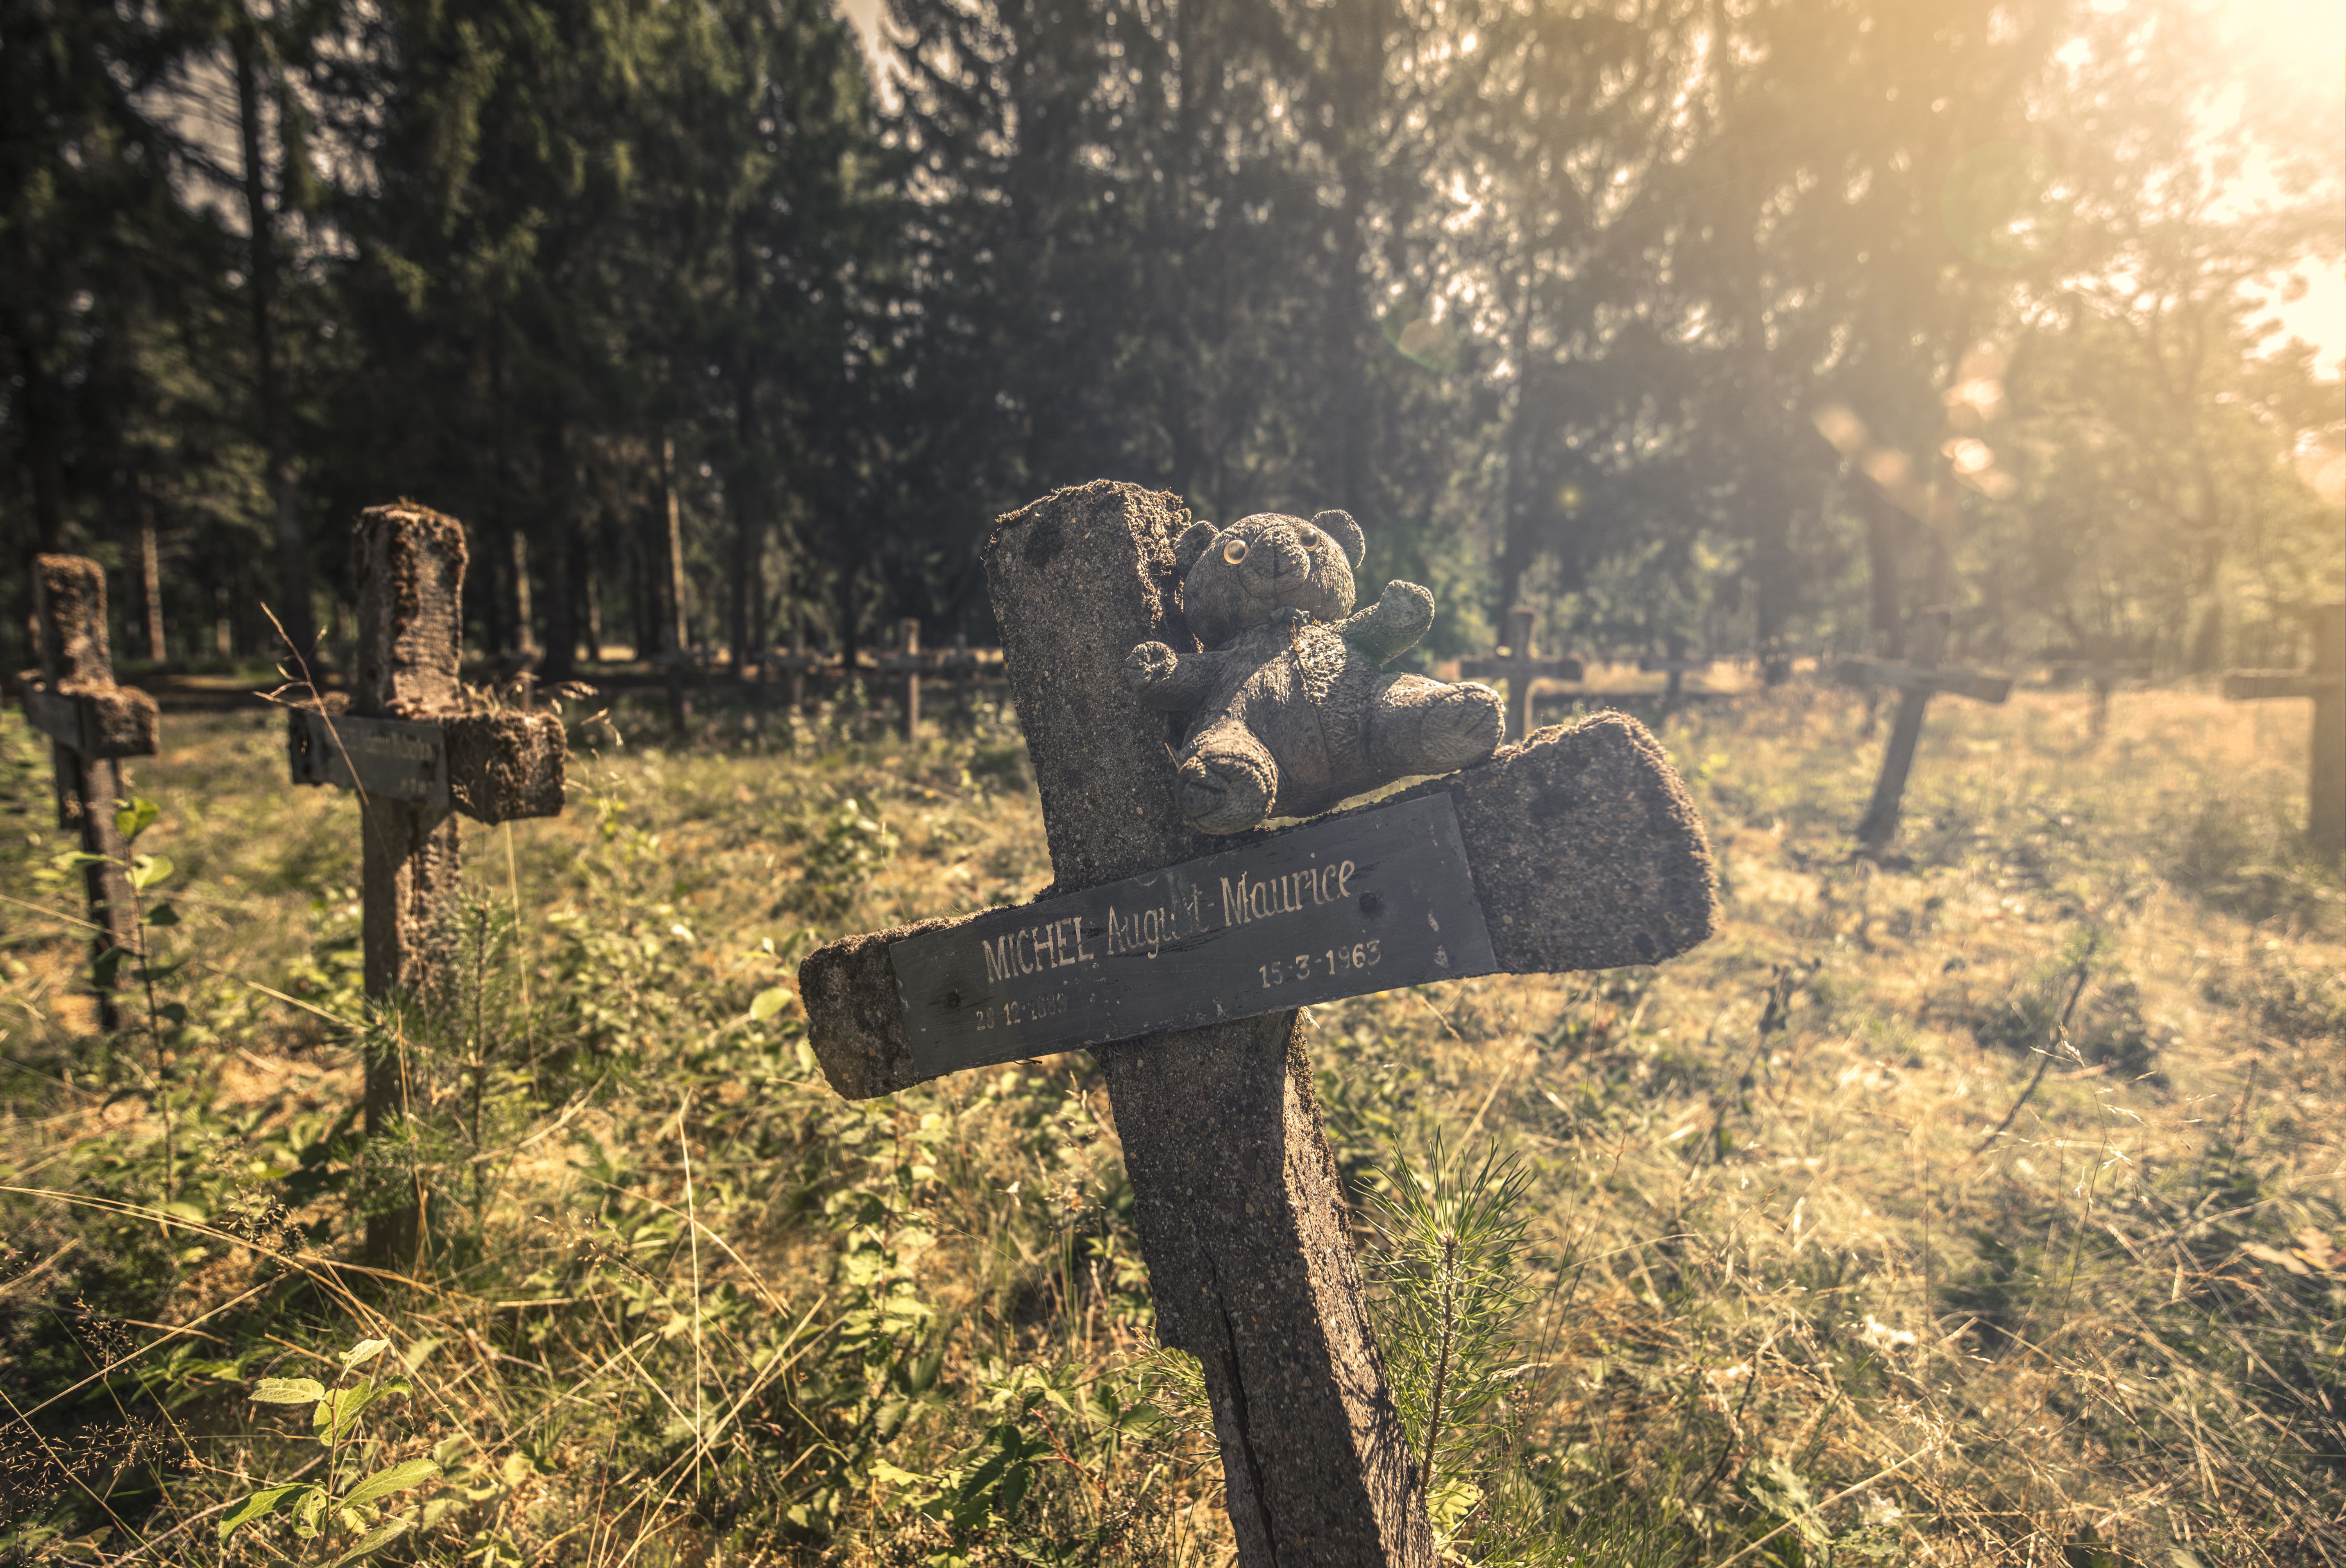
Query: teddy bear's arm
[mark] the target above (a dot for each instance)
(1162, 679)
(1403, 614)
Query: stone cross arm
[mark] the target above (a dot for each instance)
(491, 767)
(1936, 679)
(1551, 667)
(1579, 850)
(94, 721)
(2063, 671)
(2257, 685)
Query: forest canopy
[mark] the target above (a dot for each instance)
(1760, 321)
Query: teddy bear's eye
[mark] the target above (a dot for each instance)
(1234, 552)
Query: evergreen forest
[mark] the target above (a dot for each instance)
(717, 320)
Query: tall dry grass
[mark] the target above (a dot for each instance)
(1839, 1245)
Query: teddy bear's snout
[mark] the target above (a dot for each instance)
(1226, 791)
(1280, 558)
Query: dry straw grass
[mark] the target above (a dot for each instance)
(1842, 1246)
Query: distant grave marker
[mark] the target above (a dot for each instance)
(1580, 850)
(1916, 683)
(91, 724)
(415, 761)
(2102, 676)
(1677, 666)
(2324, 681)
(916, 664)
(1519, 664)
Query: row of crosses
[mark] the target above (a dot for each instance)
(405, 742)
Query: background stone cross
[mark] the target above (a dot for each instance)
(1519, 664)
(1580, 851)
(91, 724)
(415, 758)
(1916, 682)
(2325, 682)
(2102, 676)
(916, 664)
(1677, 666)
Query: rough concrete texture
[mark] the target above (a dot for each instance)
(503, 767)
(1248, 1246)
(856, 1016)
(1586, 853)
(410, 573)
(69, 606)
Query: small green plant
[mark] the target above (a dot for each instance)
(1451, 1288)
(351, 1502)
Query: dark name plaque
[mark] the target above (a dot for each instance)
(57, 717)
(381, 756)
(1372, 901)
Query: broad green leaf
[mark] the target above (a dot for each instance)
(365, 1351)
(180, 1209)
(309, 1513)
(263, 1501)
(396, 1478)
(767, 1002)
(413, 1357)
(130, 821)
(107, 964)
(340, 1410)
(288, 1390)
(374, 1540)
(150, 871)
(162, 915)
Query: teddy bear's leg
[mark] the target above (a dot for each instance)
(1420, 726)
(1227, 778)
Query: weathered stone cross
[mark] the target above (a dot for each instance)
(1678, 665)
(2325, 683)
(1181, 959)
(90, 722)
(1519, 664)
(913, 663)
(1917, 682)
(2103, 676)
(413, 758)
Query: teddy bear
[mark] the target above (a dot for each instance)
(1293, 711)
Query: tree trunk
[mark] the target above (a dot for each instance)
(671, 552)
(292, 550)
(150, 579)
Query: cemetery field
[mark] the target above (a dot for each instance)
(1977, 1203)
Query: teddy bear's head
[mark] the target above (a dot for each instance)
(1238, 577)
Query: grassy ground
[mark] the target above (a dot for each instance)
(1828, 1242)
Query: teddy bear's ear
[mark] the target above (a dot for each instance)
(1340, 526)
(1191, 544)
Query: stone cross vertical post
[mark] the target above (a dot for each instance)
(2101, 677)
(1579, 850)
(415, 758)
(1916, 682)
(91, 723)
(909, 661)
(1677, 666)
(2325, 682)
(1520, 666)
